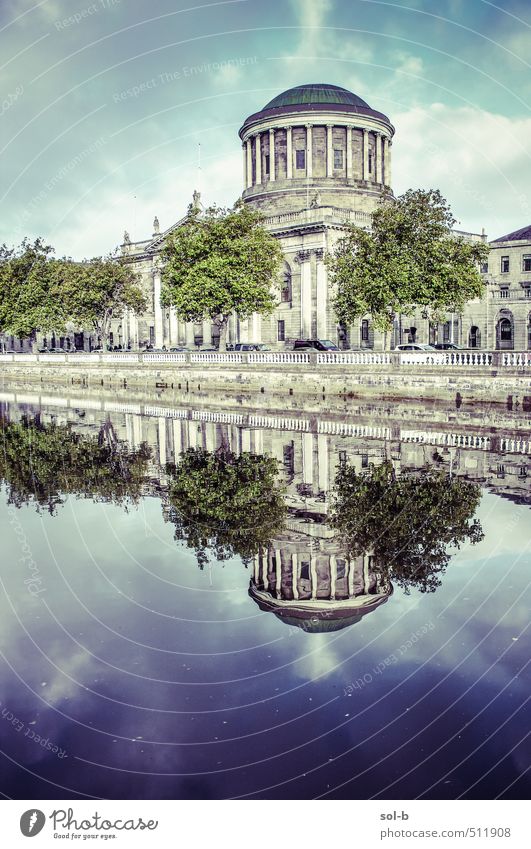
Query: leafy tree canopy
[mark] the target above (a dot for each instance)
(407, 521)
(225, 503)
(218, 262)
(40, 292)
(409, 259)
(41, 463)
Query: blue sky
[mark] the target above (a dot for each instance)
(104, 103)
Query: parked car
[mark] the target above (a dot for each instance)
(246, 346)
(57, 351)
(314, 344)
(447, 346)
(179, 349)
(414, 346)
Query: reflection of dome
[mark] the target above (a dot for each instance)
(314, 586)
(314, 617)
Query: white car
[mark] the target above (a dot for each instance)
(414, 346)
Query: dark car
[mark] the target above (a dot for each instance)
(446, 346)
(314, 344)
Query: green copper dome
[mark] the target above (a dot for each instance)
(316, 93)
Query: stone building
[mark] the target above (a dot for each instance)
(317, 158)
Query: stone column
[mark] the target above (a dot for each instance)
(249, 163)
(157, 309)
(244, 152)
(333, 576)
(329, 152)
(192, 433)
(351, 576)
(349, 153)
(162, 440)
(174, 327)
(313, 575)
(309, 154)
(295, 575)
(244, 330)
(207, 332)
(322, 296)
(365, 154)
(307, 458)
(289, 153)
(378, 158)
(278, 573)
(306, 294)
(256, 327)
(322, 461)
(133, 329)
(189, 337)
(272, 155)
(387, 175)
(258, 158)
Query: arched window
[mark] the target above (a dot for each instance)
(412, 334)
(365, 330)
(474, 337)
(504, 334)
(286, 294)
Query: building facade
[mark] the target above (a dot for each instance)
(316, 159)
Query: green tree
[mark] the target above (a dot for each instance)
(225, 503)
(409, 259)
(218, 262)
(42, 463)
(27, 276)
(96, 291)
(408, 521)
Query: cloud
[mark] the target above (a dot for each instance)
(475, 157)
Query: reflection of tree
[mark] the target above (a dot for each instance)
(41, 463)
(407, 521)
(227, 503)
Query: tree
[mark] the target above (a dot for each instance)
(39, 292)
(26, 285)
(225, 503)
(94, 292)
(219, 262)
(41, 463)
(409, 259)
(408, 521)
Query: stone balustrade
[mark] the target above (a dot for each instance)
(459, 359)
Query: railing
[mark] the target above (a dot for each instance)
(460, 359)
(354, 357)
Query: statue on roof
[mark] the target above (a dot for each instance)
(127, 239)
(196, 200)
(156, 226)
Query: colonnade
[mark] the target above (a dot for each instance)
(378, 171)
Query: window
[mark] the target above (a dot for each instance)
(288, 457)
(364, 461)
(526, 265)
(527, 292)
(365, 330)
(341, 569)
(266, 158)
(504, 264)
(484, 267)
(281, 331)
(285, 293)
(474, 339)
(506, 330)
(370, 163)
(300, 159)
(305, 570)
(500, 470)
(338, 158)
(504, 293)
(342, 457)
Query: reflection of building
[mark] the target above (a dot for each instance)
(306, 580)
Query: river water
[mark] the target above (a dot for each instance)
(184, 612)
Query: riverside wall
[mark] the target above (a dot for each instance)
(508, 385)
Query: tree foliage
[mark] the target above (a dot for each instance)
(40, 292)
(225, 503)
(407, 521)
(218, 262)
(409, 259)
(42, 463)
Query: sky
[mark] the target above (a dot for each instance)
(114, 111)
